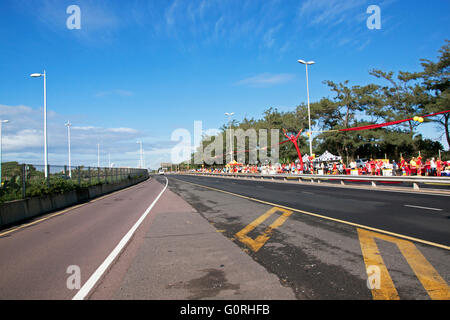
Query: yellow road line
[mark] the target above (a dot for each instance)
(65, 211)
(433, 283)
(325, 217)
(372, 257)
(436, 287)
(256, 244)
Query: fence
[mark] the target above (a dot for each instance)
(413, 181)
(19, 181)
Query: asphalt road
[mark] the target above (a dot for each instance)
(216, 238)
(322, 258)
(409, 214)
(174, 253)
(34, 260)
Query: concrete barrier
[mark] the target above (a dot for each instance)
(19, 210)
(34, 207)
(13, 211)
(95, 191)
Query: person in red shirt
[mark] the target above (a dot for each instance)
(438, 167)
(367, 167)
(403, 166)
(428, 167)
(372, 166)
(419, 166)
(379, 166)
(366, 170)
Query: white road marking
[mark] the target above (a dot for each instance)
(426, 208)
(87, 287)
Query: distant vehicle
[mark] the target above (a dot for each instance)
(360, 163)
(161, 172)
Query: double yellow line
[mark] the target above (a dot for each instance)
(433, 283)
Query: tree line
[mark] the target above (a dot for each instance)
(400, 95)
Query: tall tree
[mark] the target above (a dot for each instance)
(401, 98)
(436, 80)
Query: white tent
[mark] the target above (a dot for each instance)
(327, 156)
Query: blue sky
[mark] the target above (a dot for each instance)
(138, 70)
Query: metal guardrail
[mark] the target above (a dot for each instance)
(414, 180)
(18, 180)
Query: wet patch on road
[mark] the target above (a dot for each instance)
(207, 286)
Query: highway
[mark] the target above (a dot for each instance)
(188, 237)
(413, 214)
(322, 240)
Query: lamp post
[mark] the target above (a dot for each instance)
(98, 155)
(229, 115)
(309, 110)
(1, 123)
(37, 75)
(68, 125)
(141, 162)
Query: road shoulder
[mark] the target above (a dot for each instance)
(177, 254)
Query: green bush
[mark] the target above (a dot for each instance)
(36, 185)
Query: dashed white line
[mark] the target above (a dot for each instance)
(419, 207)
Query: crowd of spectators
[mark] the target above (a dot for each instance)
(414, 166)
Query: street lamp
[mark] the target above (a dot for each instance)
(229, 115)
(98, 155)
(309, 110)
(1, 122)
(141, 162)
(37, 75)
(68, 125)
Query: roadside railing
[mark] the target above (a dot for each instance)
(20, 181)
(374, 181)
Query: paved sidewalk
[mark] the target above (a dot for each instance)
(177, 254)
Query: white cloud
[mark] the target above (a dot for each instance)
(170, 13)
(23, 141)
(269, 36)
(265, 80)
(23, 138)
(329, 12)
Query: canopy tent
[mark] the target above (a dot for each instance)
(327, 156)
(233, 163)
